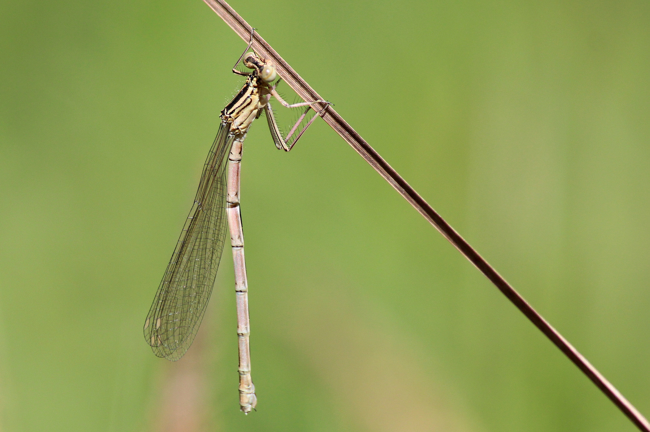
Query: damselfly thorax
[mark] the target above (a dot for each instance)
(253, 97)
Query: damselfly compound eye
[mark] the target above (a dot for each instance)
(268, 73)
(250, 60)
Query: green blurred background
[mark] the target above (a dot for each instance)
(526, 125)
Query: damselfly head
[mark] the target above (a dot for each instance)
(265, 70)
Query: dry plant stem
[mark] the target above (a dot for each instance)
(337, 123)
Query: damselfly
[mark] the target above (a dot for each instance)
(183, 294)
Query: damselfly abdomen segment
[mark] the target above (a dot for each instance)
(184, 292)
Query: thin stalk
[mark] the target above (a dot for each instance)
(332, 118)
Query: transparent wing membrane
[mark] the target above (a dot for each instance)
(184, 292)
(285, 132)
